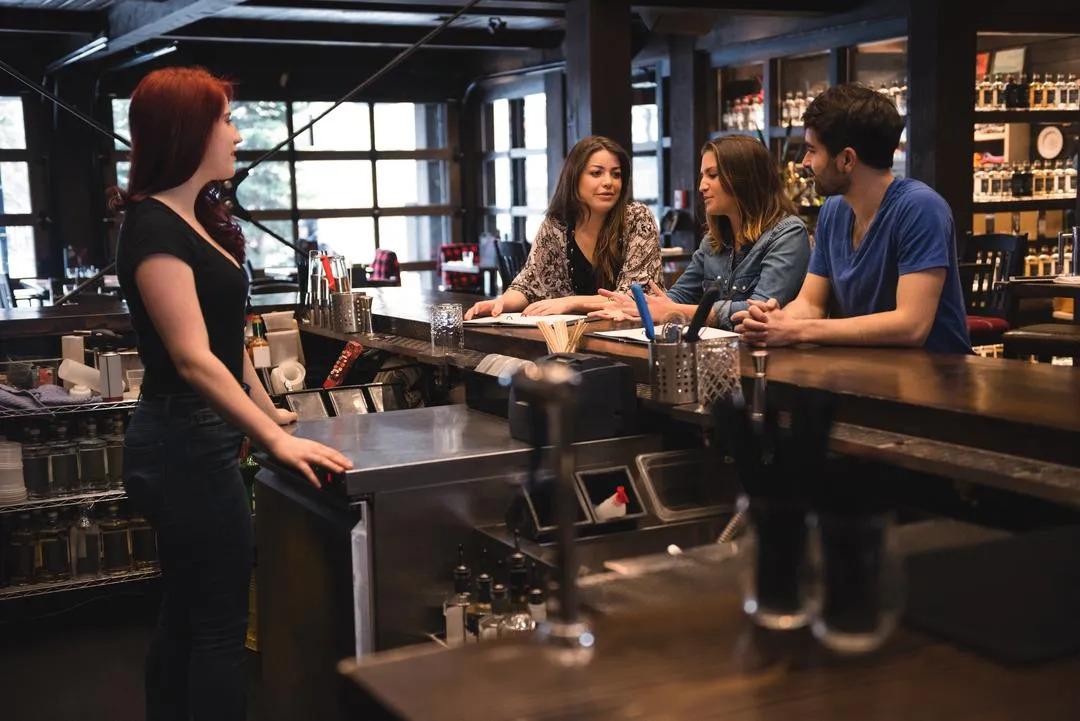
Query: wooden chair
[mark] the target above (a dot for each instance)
(512, 256)
(985, 261)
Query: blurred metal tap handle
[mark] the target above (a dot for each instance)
(1065, 238)
(555, 386)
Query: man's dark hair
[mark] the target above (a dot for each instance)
(854, 116)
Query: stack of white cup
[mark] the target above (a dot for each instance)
(12, 488)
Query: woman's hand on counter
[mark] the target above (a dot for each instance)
(550, 306)
(301, 454)
(485, 308)
(283, 416)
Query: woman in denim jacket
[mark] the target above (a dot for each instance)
(756, 246)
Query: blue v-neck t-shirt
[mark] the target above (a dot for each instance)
(912, 231)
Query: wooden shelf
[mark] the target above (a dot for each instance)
(1027, 116)
(1006, 206)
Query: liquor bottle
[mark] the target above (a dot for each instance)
(800, 108)
(85, 546)
(1059, 179)
(1008, 92)
(997, 93)
(984, 97)
(479, 607)
(144, 553)
(1050, 93)
(788, 109)
(538, 604)
(489, 625)
(36, 465)
(1021, 92)
(54, 548)
(259, 347)
(1072, 93)
(93, 460)
(115, 542)
(21, 551)
(1038, 180)
(456, 602)
(1035, 93)
(996, 175)
(518, 622)
(114, 452)
(63, 462)
(981, 183)
(1070, 181)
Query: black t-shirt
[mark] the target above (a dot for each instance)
(151, 227)
(582, 273)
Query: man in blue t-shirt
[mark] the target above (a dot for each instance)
(883, 270)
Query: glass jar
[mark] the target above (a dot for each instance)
(63, 462)
(85, 546)
(115, 542)
(36, 465)
(93, 466)
(54, 548)
(144, 551)
(114, 451)
(21, 551)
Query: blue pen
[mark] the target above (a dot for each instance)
(643, 311)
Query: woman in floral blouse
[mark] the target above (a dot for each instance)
(593, 237)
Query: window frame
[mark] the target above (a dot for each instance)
(26, 156)
(518, 210)
(290, 154)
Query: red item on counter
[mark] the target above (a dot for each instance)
(342, 365)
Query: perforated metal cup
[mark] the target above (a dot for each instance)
(672, 373)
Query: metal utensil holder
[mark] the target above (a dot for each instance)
(673, 372)
(343, 313)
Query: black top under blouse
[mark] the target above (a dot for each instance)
(582, 273)
(151, 227)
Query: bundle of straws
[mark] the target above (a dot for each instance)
(560, 338)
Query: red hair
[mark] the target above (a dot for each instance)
(172, 115)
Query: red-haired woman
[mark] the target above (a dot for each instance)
(179, 260)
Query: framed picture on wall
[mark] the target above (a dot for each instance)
(982, 64)
(1010, 60)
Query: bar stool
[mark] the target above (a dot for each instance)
(985, 261)
(1044, 341)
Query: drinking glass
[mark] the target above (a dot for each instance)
(447, 329)
(717, 369)
(861, 580)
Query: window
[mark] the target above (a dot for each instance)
(645, 134)
(18, 257)
(366, 176)
(515, 183)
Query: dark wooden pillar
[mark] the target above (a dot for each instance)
(555, 90)
(941, 98)
(688, 113)
(598, 70)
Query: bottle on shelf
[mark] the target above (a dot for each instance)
(518, 622)
(1050, 93)
(456, 603)
(1035, 92)
(479, 607)
(1038, 180)
(489, 625)
(93, 460)
(21, 551)
(144, 552)
(258, 345)
(537, 597)
(997, 93)
(787, 109)
(85, 546)
(1008, 93)
(1072, 93)
(799, 108)
(114, 452)
(36, 465)
(1021, 92)
(54, 548)
(984, 94)
(63, 461)
(1070, 181)
(115, 542)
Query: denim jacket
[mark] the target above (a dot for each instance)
(772, 267)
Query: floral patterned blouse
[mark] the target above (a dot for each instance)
(547, 271)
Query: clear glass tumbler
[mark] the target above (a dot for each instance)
(717, 370)
(447, 329)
